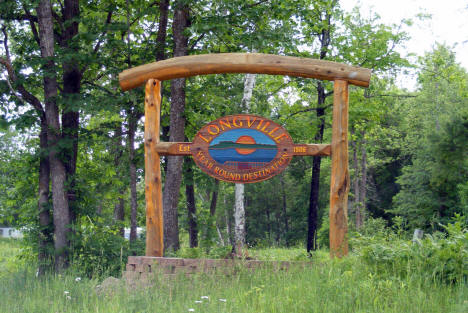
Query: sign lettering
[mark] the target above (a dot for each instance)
(242, 148)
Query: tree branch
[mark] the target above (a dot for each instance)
(32, 20)
(108, 20)
(196, 41)
(24, 95)
(100, 40)
(59, 20)
(138, 18)
(18, 17)
(307, 110)
(110, 93)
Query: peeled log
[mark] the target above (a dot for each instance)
(255, 63)
(153, 182)
(339, 185)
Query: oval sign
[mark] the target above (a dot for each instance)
(242, 148)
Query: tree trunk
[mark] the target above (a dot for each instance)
(239, 219)
(191, 206)
(315, 179)
(176, 130)
(162, 30)
(57, 168)
(363, 184)
(249, 84)
(119, 212)
(71, 96)
(45, 236)
(214, 198)
(285, 213)
(212, 223)
(220, 236)
(268, 222)
(45, 233)
(132, 125)
(278, 227)
(356, 190)
(239, 210)
(324, 39)
(228, 223)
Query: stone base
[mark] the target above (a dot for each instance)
(145, 266)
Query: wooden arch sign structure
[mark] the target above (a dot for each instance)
(256, 63)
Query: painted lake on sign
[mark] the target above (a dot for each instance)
(247, 146)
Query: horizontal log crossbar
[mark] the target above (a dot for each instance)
(255, 63)
(187, 148)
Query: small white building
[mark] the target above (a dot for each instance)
(127, 232)
(9, 232)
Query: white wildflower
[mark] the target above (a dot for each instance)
(191, 310)
(198, 301)
(204, 297)
(77, 279)
(222, 300)
(66, 292)
(68, 298)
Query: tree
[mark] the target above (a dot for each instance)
(50, 130)
(63, 69)
(343, 44)
(176, 132)
(61, 210)
(45, 237)
(432, 180)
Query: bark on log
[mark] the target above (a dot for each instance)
(61, 212)
(153, 183)
(339, 185)
(255, 63)
(186, 148)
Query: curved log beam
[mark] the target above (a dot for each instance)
(256, 63)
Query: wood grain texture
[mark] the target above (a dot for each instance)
(187, 148)
(153, 183)
(311, 149)
(256, 63)
(339, 185)
(245, 169)
(174, 148)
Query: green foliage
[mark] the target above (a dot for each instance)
(419, 138)
(437, 257)
(9, 252)
(18, 179)
(101, 249)
(348, 285)
(323, 233)
(436, 132)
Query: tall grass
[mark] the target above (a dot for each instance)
(347, 285)
(9, 250)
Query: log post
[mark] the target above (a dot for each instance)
(339, 185)
(153, 183)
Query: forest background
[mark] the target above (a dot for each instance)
(71, 157)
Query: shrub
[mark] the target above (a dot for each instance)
(441, 256)
(100, 249)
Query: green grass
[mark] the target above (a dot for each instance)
(330, 286)
(9, 250)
